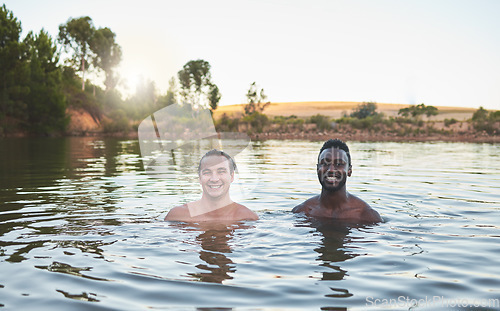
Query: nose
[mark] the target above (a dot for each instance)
(214, 177)
(330, 167)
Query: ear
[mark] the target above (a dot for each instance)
(349, 171)
(232, 176)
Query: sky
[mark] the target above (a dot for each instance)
(436, 52)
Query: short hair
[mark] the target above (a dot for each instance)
(215, 152)
(336, 143)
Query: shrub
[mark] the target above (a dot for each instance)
(225, 123)
(448, 122)
(322, 122)
(256, 120)
(364, 110)
(487, 121)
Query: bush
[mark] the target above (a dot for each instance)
(448, 122)
(372, 122)
(322, 122)
(225, 123)
(117, 123)
(487, 121)
(364, 110)
(256, 120)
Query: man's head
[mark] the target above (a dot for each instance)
(334, 165)
(216, 173)
(336, 143)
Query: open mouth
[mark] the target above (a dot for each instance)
(214, 186)
(333, 178)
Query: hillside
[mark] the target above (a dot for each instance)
(336, 109)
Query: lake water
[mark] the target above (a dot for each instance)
(81, 228)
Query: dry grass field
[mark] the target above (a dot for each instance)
(337, 109)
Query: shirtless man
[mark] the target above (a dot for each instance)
(334, 165)
(216, 173)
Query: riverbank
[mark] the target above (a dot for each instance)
(435, 128)
(370, 137)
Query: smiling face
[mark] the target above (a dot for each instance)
(333, 168)
(215, 176)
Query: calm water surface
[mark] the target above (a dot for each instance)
(81, 228)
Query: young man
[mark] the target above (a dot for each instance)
(333, 168)
(216, 173)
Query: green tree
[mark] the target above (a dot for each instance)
(322, 122)
(257, 120)
(145, 100)
(418, 110)
(365, 110)
(255, 100)
(46, 102)
(76, 36)
(214, 97)
(171, 97)
(480, 114)
(196, 86)
(13, 66)
(488, 121)
(107, 55)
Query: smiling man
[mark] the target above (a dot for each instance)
(333, 168)
(216, 173)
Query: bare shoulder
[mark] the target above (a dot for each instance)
(244, 213)
(306, 205)
(367, 213)
(178, 213)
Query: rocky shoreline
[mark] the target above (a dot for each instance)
(319, 136)
(369, 137)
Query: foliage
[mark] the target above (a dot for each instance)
(480, 114)
(171, 96)
(13, 66)
(118, 122)
(372, 122)
(448, 122)
(76, 36)
(487, 121)
(46, 103)
(364, 110)
(322, 122)
(418, 110)
(144, 102)
(30, 79)
(257, 120)
(214, 97)
(255, 100)
(227, 124)
(282, 120)
(196, 86)
(107, 55)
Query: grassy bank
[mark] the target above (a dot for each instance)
(386, 122)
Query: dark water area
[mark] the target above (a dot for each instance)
(81, 228)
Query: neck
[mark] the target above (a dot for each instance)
(333, 199)
(208, 205)
(215, 203)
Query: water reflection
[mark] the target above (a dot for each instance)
(47, 185)
(214, 240)
(333, 250)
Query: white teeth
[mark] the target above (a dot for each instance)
(215, 186)
(331, 179)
